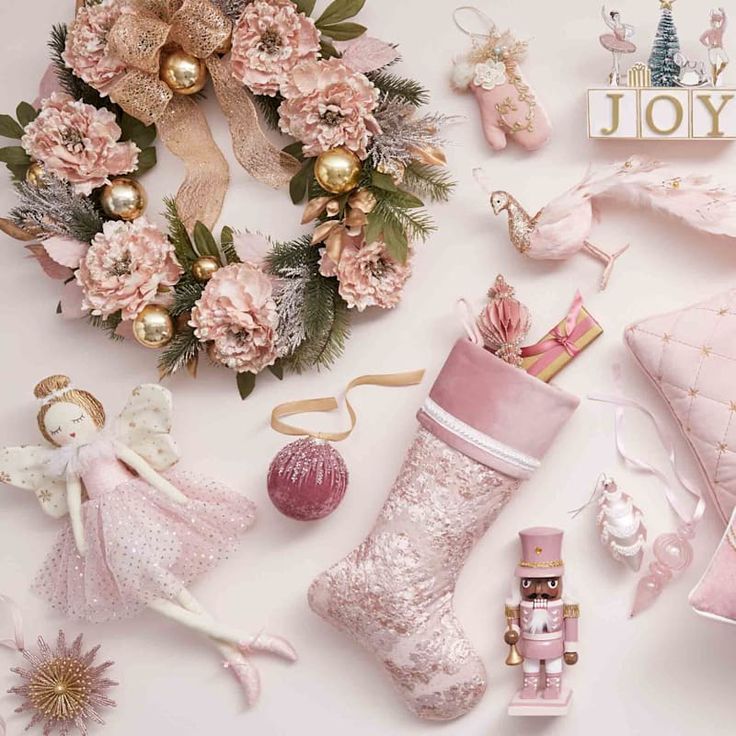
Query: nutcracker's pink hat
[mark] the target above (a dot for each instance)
(541, 553)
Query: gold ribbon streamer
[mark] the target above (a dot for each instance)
(200, 28)
(330, 403)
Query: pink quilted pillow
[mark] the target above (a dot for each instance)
(690, 355)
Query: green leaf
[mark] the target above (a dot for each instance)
(305, 6)
(327, 50)
(300, 181)
(26, 113)
(295, 149)
(373, 228)
(344, 31)
(9, 128)
(14, 155)
(383, 181)
(134, 130)
(339, 10)
(204, 241)
(396, 241)
(277, 369)
(246, 384)
(146, 160)
(407, 200)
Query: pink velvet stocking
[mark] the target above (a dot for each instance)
(484, 429)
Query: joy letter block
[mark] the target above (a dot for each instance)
(662, 113)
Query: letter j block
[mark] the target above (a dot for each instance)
(613, 113)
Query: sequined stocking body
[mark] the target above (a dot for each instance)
(394, 592)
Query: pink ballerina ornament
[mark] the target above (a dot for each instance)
(136, 531)
(617, 42)
(508, 106)
(504, 322)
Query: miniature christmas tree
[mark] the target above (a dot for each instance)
(665, 72)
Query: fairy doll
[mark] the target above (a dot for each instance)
(617, 42)
(137, 533)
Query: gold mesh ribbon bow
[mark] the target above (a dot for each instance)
(200, 28)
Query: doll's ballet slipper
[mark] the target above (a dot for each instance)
(269, 644)
(247, 676)
(485, 428)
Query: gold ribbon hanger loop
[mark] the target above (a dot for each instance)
(330, 403)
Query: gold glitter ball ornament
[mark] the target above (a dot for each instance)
(36, 175)
(124, 199)
(337, 171)
(204, 268)
(183, 73)
(153, 327)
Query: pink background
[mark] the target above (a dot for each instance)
(667, 672)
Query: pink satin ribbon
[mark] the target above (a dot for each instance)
(564, 338)
(467, 319)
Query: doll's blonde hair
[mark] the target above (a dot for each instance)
(56, 389)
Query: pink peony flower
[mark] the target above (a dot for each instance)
(368, 275)
(327, 105)
(270, 39)
(237, 313)
(78, 143)
(124, 267)
(86, 46)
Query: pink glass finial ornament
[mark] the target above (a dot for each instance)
(307, 479)
(620, 524)
(504, 322)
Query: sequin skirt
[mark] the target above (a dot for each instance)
(142, 546)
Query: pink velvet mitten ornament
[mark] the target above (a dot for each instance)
(507, 104)
(484, 429)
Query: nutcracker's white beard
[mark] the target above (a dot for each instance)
(540, 618)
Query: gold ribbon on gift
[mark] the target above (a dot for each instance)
(200, 28)
(330, 403)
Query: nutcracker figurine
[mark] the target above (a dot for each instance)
(542, 628)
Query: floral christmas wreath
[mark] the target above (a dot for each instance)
(126, 71)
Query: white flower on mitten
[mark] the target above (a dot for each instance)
(490, 74)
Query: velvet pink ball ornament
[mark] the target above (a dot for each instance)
(307, 479)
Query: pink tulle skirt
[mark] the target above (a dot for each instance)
(617, 45)
(142, 546)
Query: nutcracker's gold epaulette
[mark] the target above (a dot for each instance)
(512, 611)
(571, 610)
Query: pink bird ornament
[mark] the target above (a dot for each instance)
(563, 227)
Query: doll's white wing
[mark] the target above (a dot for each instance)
(145, 423)
(26, 467)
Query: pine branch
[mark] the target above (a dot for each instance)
(434, 182)
(68, 81)
(291, 256)
(392, 210)
(55, 209)
(184, 347)
(187, 293)
(108, 324)
(394, 86)
(178, 235)
(269, 107)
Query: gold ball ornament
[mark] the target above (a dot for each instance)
(204, 268)
(36, 175)
(337, 170)
(153, 327)
(123, 199)
(183, 73)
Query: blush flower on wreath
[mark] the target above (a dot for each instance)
(270, 39)
(86, 46)
(78, 143)
(368, 275)
(326, 104)
(238, 316)
(124, 267)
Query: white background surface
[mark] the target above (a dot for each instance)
(666, 672)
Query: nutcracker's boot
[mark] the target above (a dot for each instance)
(484, 429)
(530, 686)
(552, 686)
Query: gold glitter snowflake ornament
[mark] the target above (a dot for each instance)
(63, 688)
